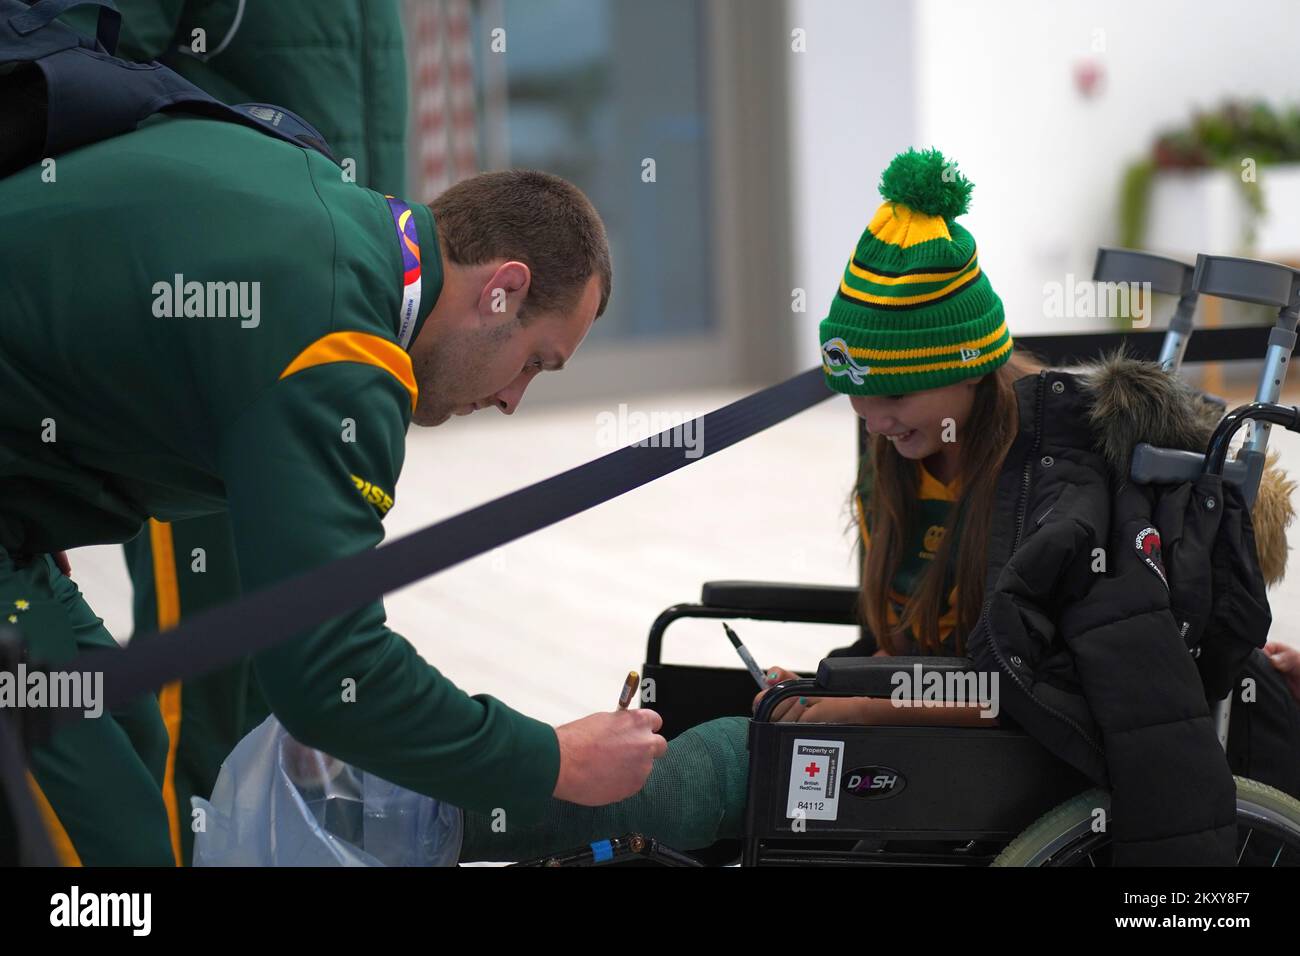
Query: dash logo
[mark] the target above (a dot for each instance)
(874, 783)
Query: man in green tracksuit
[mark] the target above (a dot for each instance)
(340, 64)
(200, 317)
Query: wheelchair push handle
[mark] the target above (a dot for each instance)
(1288, 416)
(1152, 465)
(1160, 274)
(1166, 276)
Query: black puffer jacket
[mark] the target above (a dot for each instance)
(1112, 609)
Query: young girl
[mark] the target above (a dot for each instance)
(917, 338)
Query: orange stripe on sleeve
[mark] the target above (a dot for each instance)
(359, 347)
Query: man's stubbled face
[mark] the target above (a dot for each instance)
(491, 360)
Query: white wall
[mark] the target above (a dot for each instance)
(853, 106)
(992, 85)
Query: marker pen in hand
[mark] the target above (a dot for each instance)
(629, 690)
(757, 672)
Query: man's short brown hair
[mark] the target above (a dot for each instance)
(538, 219)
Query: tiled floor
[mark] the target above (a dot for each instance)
(553, 622)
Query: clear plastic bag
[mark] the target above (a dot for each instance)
(278, 803)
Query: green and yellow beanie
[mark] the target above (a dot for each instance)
(914, 310)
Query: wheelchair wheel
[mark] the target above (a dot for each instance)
(1268, 831)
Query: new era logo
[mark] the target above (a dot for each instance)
(968, 354)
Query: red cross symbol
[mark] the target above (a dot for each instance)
(812, 769)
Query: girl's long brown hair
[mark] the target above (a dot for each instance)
(989, 432)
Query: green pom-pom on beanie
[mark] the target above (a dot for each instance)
(927, 183)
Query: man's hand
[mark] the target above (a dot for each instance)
(61, 559)
(607, 757)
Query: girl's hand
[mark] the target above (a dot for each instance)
(816, 710)
(788, 709)
(834, 710)
(1286, 659)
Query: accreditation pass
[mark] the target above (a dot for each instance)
(815, 780)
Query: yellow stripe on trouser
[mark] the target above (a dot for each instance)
(169, 699)
(59, 838)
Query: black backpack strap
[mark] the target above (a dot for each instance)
(85, 94)
(43, 12)
(287, 125)
(93, 96)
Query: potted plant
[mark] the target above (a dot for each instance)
(1221, 148)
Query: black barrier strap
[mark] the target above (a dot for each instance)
(219, 636)
(1242, 343)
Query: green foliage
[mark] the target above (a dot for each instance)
(1134, 202)
(1223, 138)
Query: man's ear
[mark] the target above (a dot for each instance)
(505, 291)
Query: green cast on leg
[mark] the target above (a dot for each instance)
(695, 796)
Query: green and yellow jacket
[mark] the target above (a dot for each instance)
(198, 318)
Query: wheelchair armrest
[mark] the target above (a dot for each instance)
(874, 676)
(759, 601)
(841, 601)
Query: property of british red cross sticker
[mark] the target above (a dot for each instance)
(1148, 549)
(812, 769)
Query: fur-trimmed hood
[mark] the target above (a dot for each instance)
(1135, 401)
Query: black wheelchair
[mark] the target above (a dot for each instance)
(853, 795)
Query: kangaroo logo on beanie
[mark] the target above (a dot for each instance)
(838, 361)
(1147, 545)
